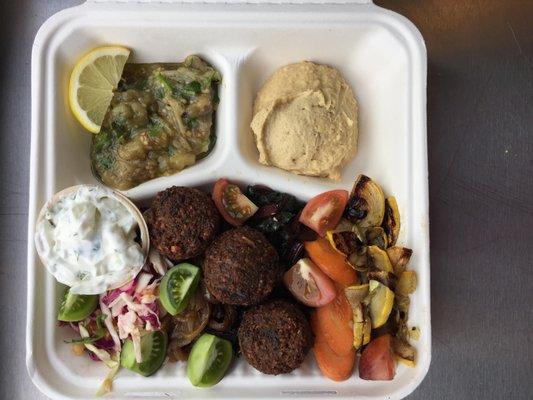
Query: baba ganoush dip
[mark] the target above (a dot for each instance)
(160, 121)
(86, 238)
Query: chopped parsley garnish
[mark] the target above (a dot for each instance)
(154, 127)
(98, 334)
(190, 122)
(193, 87)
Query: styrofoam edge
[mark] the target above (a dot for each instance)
(423, 176)
(45, 31)
(48, 29)
(417, 48)
(236, 1)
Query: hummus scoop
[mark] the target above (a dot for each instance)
(305, 120)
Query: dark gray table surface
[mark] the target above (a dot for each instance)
(480, 114)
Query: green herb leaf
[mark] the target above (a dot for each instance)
(159, 93)
(194, 87)
(154, 127)
(99, 333)
(165, 86)
(142, 84)
(100, 321)
(87, 340)
(190, 122)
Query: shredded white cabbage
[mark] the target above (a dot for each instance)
(128, 326)
(160, 263)
(101, 354)
(143, 281)
(107, 384)
(109, 324)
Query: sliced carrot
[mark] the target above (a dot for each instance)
(330, 261)
(333, 366)
(334, 324)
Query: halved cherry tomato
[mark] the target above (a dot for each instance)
(332, 262)
(309, 284)
(377, 361)
(232, 204)
(323, 212)
(334, 323)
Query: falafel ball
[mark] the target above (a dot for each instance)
(275, 337)
(241, 267)
(182, 222)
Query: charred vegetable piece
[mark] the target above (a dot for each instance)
(405, 353)
(367, 330)
(387, 278)
(176, 353)
(153, 352)
(177, 287)
(189, 323)
(402, 302)
(232, 204)
(391, 222)
(399, 258)
(345, 242)
(378, 259)
(309, 284)
(381, 302)
(358, 326)
(76, 307)
(323, 212)
(209, 360)
(377, 360)
(356, 294)
(366, 206)
(377, 237)
(359, 260)
(222, 317)
(406, 283)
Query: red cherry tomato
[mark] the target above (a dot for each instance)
(323, 212)
(232, 204)
(377, 360)
(309, 284)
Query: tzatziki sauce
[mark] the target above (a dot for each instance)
(87, 240)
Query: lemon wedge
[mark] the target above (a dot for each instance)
(381, 301)
(92, 82)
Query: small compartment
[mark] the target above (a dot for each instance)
(376, 65)
(147, 45)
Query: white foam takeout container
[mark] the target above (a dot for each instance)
(380, 53)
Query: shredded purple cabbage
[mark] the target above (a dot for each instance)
(128, 288)
(105, 343)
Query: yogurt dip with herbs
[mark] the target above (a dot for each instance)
(87, 240)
